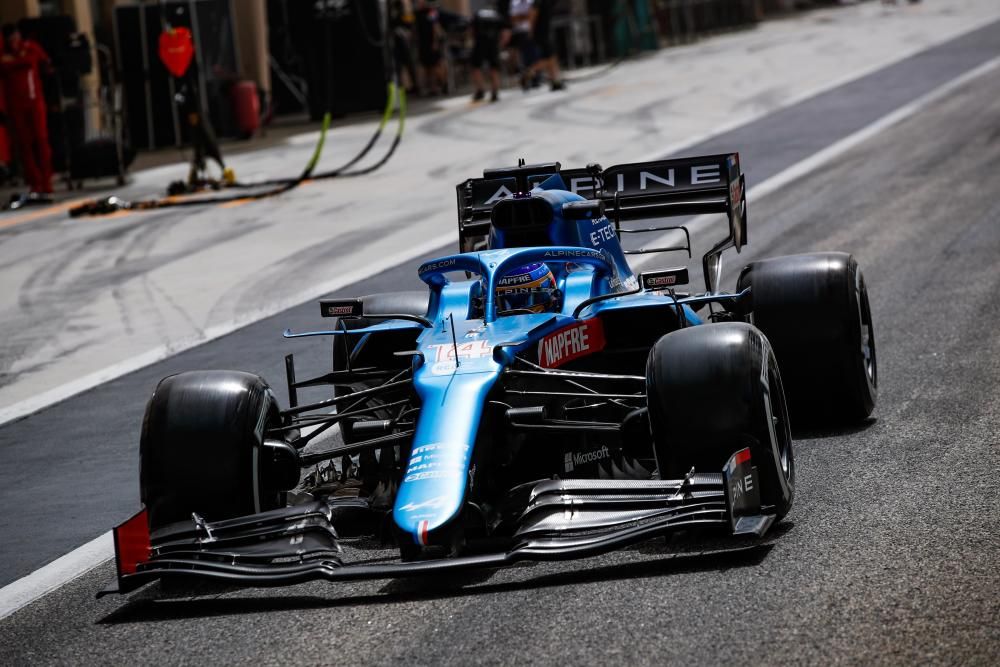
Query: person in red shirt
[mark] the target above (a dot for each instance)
(20, 62)
(4, 137)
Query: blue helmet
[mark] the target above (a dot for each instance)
(529, 287)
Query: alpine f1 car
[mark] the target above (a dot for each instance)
(538, 401)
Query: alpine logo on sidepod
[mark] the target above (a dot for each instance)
(575, 341)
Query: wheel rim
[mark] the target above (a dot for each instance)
(779, 422)
(867, 334)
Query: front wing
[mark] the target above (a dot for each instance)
(562, 520)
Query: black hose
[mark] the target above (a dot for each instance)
(395, 141)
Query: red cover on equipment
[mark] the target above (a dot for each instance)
(176, 50)
(246, 107)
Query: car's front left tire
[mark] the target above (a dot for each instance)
(203, 451)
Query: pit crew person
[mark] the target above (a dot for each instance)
(20, 63)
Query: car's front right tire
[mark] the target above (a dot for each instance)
(712, 390)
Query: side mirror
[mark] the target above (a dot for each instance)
(664, 278)
(341, 308)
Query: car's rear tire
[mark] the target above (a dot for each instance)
(814, 309)
(202, 448)
(715, 389)
(376, 351)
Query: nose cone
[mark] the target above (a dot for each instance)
(433, 491)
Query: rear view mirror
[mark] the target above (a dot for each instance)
(341, 308)
(664, 278)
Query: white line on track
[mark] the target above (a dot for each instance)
(26, 590)
(61, 571)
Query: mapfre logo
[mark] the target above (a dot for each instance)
(573, 342)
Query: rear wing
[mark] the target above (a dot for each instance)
(639, 190)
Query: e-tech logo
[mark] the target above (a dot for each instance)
(599, 237)
(573, 459)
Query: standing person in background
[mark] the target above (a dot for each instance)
(488, 35)
(541, 32)
(20, 62)
(430, 48)
(521, 40)
(401, 22)
(4, 136)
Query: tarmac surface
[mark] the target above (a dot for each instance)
(889, 555)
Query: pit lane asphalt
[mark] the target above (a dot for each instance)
(888, 556)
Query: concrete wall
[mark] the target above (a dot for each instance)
(250, 22)
(12, 10)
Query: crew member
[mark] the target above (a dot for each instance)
(4, 136)
(488, 33)
(20, 62)
(518, 13)
(541, 28)
(430, 47)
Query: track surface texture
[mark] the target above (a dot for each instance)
(889, 555)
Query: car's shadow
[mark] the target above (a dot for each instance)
(663, 558)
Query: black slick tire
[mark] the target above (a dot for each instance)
(201, 447)
(713, 390)
(814, 309)
(352, 352)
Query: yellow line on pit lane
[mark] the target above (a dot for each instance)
(62, 207)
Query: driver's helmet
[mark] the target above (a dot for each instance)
(529, 287)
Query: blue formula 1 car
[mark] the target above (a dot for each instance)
(538, 401)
